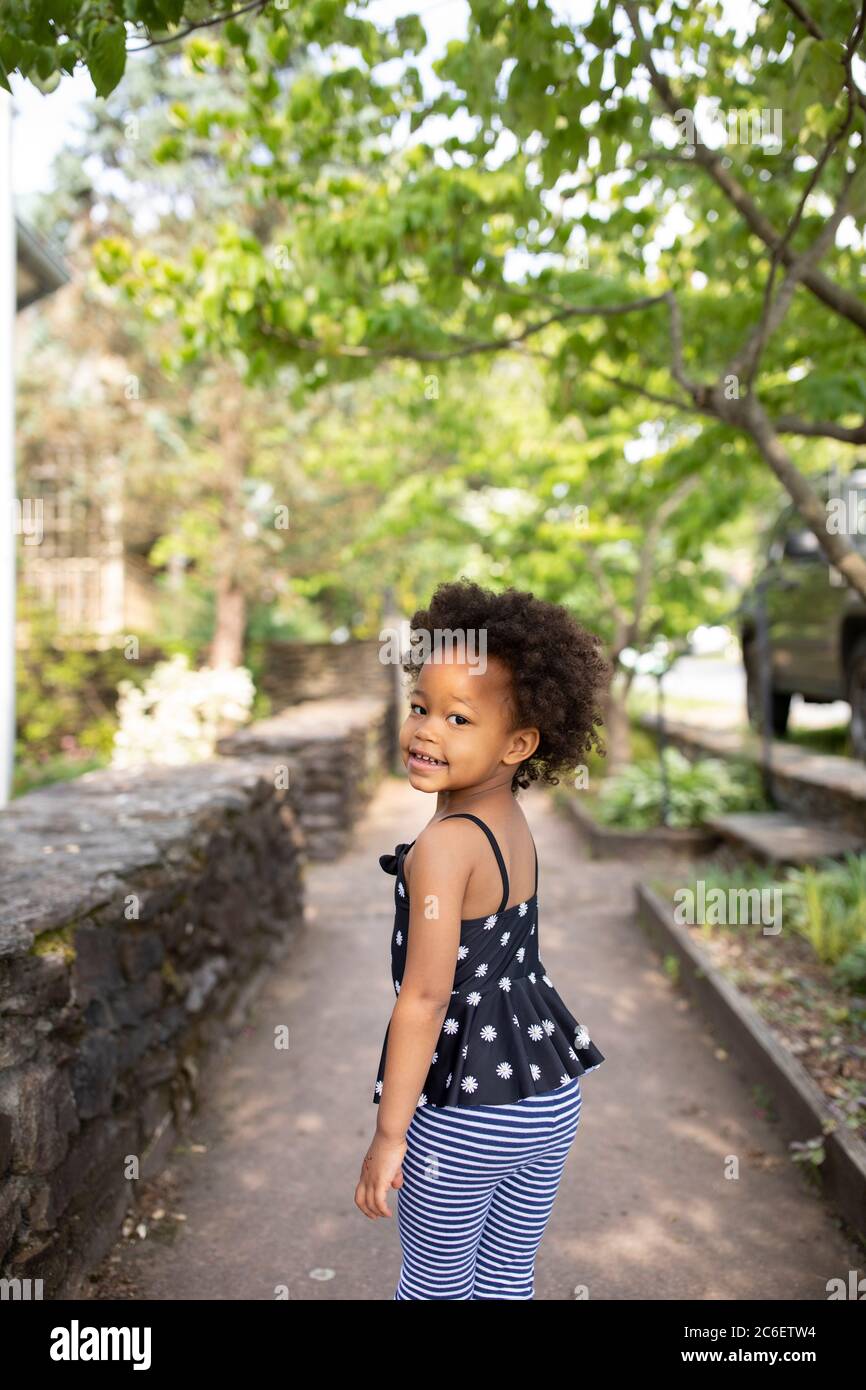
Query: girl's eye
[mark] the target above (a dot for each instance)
(413, 706)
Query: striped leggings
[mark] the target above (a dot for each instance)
(479, 1183)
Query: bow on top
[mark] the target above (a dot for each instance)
(389, 861)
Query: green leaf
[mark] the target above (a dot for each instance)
(171, 148)
(236, 33)
(800, 53)
(106, 60)
(825, 69)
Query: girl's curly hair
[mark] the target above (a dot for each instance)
(558, 673)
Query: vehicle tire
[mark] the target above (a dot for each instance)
(855, 694)
(780, 700)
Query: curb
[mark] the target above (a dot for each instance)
(800, 1104)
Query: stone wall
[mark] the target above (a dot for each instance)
(293, 672)
(332, 754)
(139, 914)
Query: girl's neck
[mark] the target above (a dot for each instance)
(468, 798)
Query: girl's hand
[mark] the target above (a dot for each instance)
(380, 1170)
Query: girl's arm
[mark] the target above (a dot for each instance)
(441, 865)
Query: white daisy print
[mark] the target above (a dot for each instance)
(581, 1037)
(482, 969)
(488, 1032)
(469, 1084)
(435, 1058)
(491, 922)
(548, 1025)
(422, 1100)
(401, 890)
(398, 937)
(378, 1088)
(397, 986)
(474, 997)
(572, 1054)
(522, 909)
(535, 1031)
(448, 1078)
(521, 953)
(465, 1050)
(532, 932)
(564, 1079)
(516, 1019)
(450, 1025)
(532, 976)
(504, 1070)
(462, 952)
(505, 983)
(536, 1071)
(504, 938)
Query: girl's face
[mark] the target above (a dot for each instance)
(459, 716)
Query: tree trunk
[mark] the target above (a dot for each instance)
(227, 645)
(617, 732)
(230, 619)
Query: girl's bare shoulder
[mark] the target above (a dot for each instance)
(440, 846)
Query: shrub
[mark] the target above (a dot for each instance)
(696, 791)
(179, 714)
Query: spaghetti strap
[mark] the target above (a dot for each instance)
(535, 889)
(496, 850)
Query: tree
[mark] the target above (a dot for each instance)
(545, 231)
(410, 255)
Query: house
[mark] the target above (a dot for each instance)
(29, 269)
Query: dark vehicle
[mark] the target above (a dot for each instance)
(816, 623)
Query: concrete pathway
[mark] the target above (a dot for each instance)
(265, 1179)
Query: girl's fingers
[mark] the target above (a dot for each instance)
(379, 1199)
(367, 1198)
(361, 1199)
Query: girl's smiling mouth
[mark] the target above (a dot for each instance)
(426, 761)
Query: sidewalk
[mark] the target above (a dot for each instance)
(645, 1210)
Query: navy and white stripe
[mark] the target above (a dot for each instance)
(478, 1187)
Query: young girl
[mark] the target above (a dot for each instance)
(475, 1140)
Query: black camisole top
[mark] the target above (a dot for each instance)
(507, 1033)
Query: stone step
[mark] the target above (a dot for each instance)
(777, 837)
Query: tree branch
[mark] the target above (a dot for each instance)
(837, 549)
(465, 348)
(772, 315)
(842, 302)
(819, 429)
(774, 311)
(202, 24)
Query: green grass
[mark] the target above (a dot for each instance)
(29, 776)
(834, 740)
